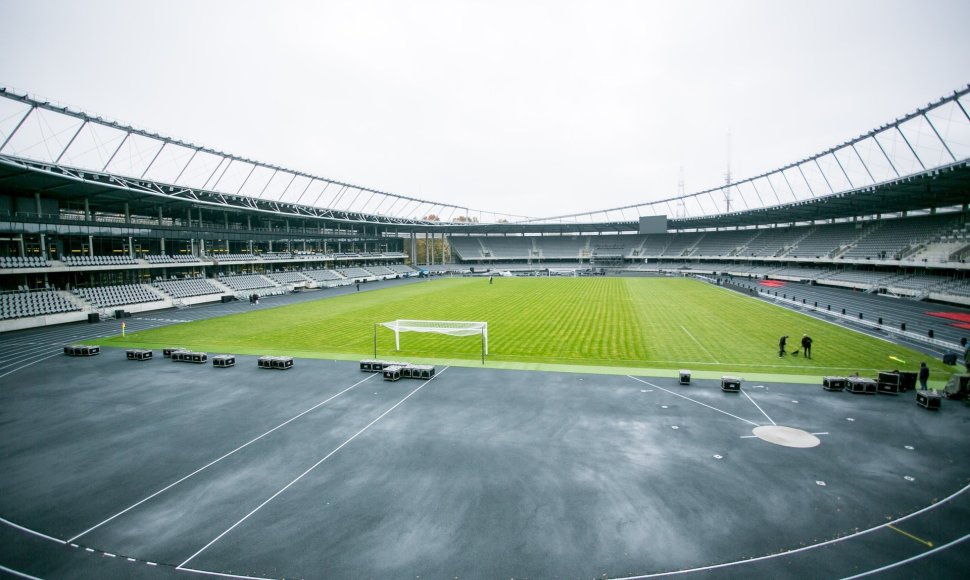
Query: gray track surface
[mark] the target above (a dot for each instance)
(479, 473)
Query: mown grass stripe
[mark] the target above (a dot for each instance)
(625, 323)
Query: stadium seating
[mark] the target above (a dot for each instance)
(34, 303)
(105, 296)
(287, 278)
(246, 282)
(187, 288)
(111, 260)
(233, 257)
(354, 273)
(323, 275)
(380, 270)
(23, 262)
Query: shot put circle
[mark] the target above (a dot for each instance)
(786, 436)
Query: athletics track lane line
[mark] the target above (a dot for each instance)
(312, 467)
(211, 463)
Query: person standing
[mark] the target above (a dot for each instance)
(807, 345)
(781, 345)
(924, 375)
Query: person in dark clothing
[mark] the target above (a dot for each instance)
(807, 345)
(781, 346)
(924, 375)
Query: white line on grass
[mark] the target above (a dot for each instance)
(759, 407)
(211, 463)
(808, 547)
(692, 400)
(312, 467)
(709, 353)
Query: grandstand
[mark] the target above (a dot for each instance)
(871, 230)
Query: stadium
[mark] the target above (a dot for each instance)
(522, 454)
(720, 382)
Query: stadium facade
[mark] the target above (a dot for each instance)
(98, 217)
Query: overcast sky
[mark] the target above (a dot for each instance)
(530, 108)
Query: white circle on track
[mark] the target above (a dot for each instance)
(786, 436)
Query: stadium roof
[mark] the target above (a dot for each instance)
(919, 161)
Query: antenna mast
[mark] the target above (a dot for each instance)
(727, 177)
(681, 202)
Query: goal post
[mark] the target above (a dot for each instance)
(447, 327)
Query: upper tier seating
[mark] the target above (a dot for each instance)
(112, 260)
(246, 282)
(23, 262)
(188, 287)
(105, 296)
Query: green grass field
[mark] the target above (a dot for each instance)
(596, 323)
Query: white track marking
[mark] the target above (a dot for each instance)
(911, 559)
(759, 407)
(312, 467)
(17, 574)
(692, 400)
(30, 531)
(211, 463)
(21, 367)
(709, 353)
(220, 574)
(805, 548)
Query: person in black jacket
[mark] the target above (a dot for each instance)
(781, 346)
(924, 375)
(807, 345)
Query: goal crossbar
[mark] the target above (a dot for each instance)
(449, 327)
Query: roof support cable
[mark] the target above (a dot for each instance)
(270, 180)
(245, 181)
(937, 133)
(152, 162)
(186, 166)
(112, 158)
(805, 179)
(71, 142)
(866, 167)
(17, 128)
(837, 160)
(287, 188)
(878, 144)
(913, 151)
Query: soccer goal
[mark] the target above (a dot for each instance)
(448, 327)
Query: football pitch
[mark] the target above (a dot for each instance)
(594, 323)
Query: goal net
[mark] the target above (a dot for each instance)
(449, 327)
